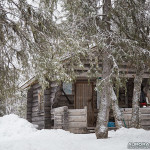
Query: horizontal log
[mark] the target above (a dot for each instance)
(77, 124)
(127, 116)
(78, 130)
(145, 122)
(40, 116)
(58, 117)
(35, 104)
(77, 119)
(145, 116)
(36, 86)
(59, 109)
(52, 117)
(35, 99)
(58, 126)
(35, 109)
(85, 75)
(76, 112)
(145, 110)
(122, 68)
(35, 95)
(142, 110)
(126, 110)
(37, 114)
(38, 123)
(58, 121)
(36, 119)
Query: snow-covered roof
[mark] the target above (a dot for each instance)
(28, 83)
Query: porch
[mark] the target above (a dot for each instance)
(75, 120)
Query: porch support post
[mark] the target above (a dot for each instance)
(47, 109)
(29, 104)
(65, 118)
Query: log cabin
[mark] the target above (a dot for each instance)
(74, 106)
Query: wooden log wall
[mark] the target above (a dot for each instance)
(125, 70)
(47, 109)
(38, 116)
(77, 120)
(73, 120)
(54, 96)
(144, 116)
(61, 118)
(29, 104)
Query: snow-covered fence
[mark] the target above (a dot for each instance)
(144, 117)
(73, 120)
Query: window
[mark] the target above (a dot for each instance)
(40, 101)
(67, 88)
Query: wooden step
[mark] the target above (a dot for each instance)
(112, 128)
(92, 129)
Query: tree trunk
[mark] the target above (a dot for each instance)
(135, 120)
(116, 111)
(103, 114)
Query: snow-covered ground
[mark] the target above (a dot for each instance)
(19, 134)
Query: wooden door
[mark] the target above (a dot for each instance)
(84, 97)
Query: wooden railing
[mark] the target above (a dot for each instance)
(144, 117)
(73, 120)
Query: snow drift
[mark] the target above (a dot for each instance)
(19, 134)
(12, 126)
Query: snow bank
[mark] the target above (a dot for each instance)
(12, 126)
(19, 134)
